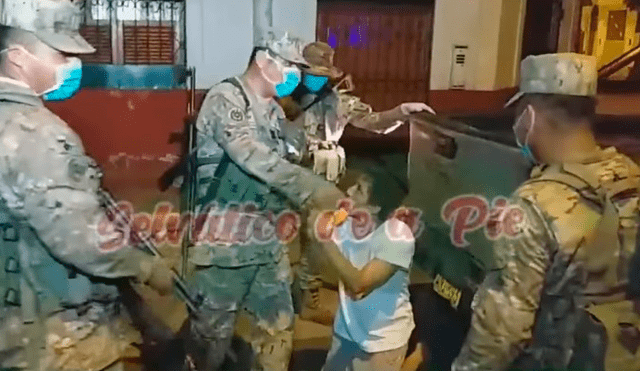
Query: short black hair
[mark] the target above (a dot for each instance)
(10, 36)
(563, 109)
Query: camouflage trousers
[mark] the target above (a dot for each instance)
(308, 269)
(71, 341)
(264, 291)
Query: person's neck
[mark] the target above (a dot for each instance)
(574, 147)
(10, 78)
(254, 80)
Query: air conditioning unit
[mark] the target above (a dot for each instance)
(458, 67)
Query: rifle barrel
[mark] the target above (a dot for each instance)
(179, 282)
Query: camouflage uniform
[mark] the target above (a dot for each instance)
(58, 312)
(558, 301)
(243, 157)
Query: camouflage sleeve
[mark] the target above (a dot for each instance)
(48, 182)
(505, 305)
(222, 118)
(359, 114)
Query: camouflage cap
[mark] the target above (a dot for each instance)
(319, 56)
(287, 47)
(563, 73)
(54, 22)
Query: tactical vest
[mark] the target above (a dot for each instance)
(34, 286)
(583, 305)
(232, 187)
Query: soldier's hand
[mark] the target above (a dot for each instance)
(325, 198)
(159, 276)
(409, 108)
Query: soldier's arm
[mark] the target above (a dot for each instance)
(225, 120)
(361, 115)
(505, 305)
(51, 185)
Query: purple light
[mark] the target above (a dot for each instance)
(332, 40)
(354, 35)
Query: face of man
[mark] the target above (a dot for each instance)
(37, 65)
(280, 75)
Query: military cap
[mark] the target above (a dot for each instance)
(54, 22)
(287, 47)
(319, 57)
(562, 73)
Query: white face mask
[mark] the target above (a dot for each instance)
(525, 148)
(291, 77)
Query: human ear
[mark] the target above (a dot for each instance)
(262, 59)
(16, 56)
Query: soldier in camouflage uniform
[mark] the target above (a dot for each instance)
(244, 156)
(558, 302)
(59, 252)
(326, 110)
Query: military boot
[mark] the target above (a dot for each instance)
(312, 310)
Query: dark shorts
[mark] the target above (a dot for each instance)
(438, 325)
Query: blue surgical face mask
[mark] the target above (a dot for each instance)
(314, 83)
(290, 81)
(68, 78)
(525, 148)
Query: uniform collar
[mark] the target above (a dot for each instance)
(596, 156)
(16, 91)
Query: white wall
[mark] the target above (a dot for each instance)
(479, 25)
(454, 24)
(220, 33)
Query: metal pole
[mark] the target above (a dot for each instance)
(262, 18)
(190, 176)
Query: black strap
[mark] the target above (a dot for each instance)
(234, 81)
(217, 176)
(193, 157)
(325, 93)
(191, 162)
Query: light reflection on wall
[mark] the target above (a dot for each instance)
(359, 36)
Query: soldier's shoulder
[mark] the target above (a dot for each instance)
(40, 121)
(225, 90)
(553, 199)
(616, 166)
(565, 213)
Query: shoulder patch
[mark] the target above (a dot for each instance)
(236, 114)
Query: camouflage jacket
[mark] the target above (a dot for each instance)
(327, 119)
(558, 225)
(54, 227)
(244, 157)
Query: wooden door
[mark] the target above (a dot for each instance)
(384, 45)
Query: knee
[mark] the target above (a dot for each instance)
(273, 351)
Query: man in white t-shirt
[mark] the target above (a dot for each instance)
(375, 318)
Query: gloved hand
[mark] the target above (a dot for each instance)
(409, 108)
(157, 274)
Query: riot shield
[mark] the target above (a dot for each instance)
(453, 165)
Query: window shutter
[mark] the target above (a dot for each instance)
(99, 36)
(149, 44)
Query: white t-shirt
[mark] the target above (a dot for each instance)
(382, 320)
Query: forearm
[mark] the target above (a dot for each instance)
(498, 331)
(77, 232)
(294, 182)
(347, 273)
(378, 122)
